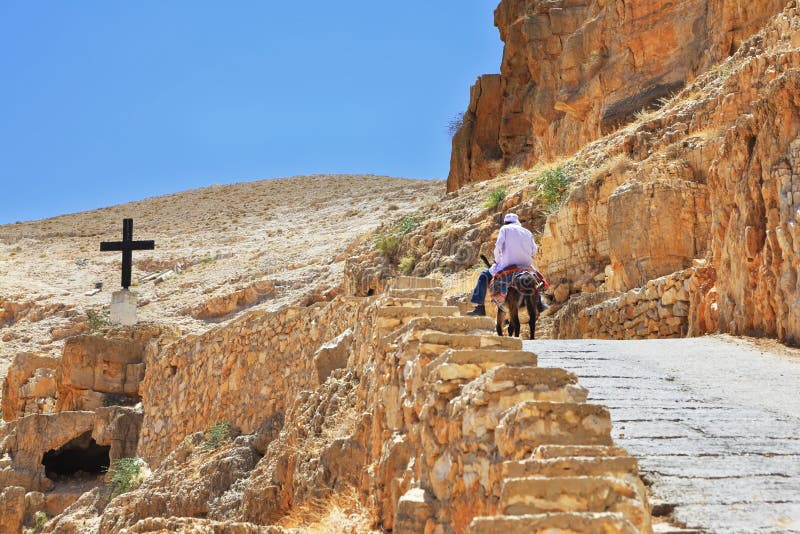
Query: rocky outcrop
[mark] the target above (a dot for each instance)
(30, 386)
(574, 70)
(25, 442)
(756, 214)
(100, 370)
(193, 481)
(12, 508)
(218, 307)
(320, 451)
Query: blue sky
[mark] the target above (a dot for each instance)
(105, 102)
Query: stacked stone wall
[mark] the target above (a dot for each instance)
(659, 309)
(241, 373)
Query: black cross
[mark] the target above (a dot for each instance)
(127, 246)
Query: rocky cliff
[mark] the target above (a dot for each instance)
(574, 70)
(679, 124)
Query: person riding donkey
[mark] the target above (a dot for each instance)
(514, 249)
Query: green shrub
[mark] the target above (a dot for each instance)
(125, 474)
(407, 264)
(552, 186)
(495, 197)
(41, 520)
(216, 436)
(97, 320)
(388, 243)
(408, 224)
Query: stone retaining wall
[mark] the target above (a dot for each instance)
(242, 373)
(659, 309)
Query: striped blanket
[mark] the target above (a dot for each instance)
(498, 287)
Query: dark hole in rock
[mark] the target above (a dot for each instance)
(81, 455)
(370, 292)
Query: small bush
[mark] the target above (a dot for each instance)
(216, 436)
(97, 320)
(388, 244)
(552, 186)
(393, 207)
(408, 224)
(125, 474)
(40, 520)
(407, 264)
(495, 197)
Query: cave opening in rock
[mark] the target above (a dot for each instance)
(80, 455)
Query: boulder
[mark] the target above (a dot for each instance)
(333, 354)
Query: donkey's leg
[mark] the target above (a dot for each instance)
(513, 310)
(501, 317)
(533, 312)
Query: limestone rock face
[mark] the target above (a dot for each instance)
(756, 217)
(655, 228)
(321, 451)
(333, 355)
(29, 387)
(574, 70)
(476, 154)
(94, 367)
(191, 482)
(81, 517)
(24, 443)
(12, 508)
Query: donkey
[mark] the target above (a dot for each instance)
(521, 288)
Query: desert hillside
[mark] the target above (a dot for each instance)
(219, 249)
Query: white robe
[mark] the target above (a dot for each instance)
(514, 246)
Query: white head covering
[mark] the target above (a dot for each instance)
(511, 218)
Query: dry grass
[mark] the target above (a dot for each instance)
(341, 513)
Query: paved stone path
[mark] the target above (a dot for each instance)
(715, 422)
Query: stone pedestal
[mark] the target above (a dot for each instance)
(123, 308)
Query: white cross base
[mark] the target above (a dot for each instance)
(123, 308)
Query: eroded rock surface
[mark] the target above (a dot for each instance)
(574, 70)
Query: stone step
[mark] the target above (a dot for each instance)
(424, 293)
(519, 384)
(558, 523)
(538, 495)
(411, 302)
(589, 451)
(449, 325)
(578, 466)
(488, 358)
(391, 317)
(536, 377)
(407, 312)
(435, 343)
(530, 424)
(412, 282)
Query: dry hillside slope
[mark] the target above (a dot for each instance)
(220, 249)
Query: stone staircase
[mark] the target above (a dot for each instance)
(502, 445)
